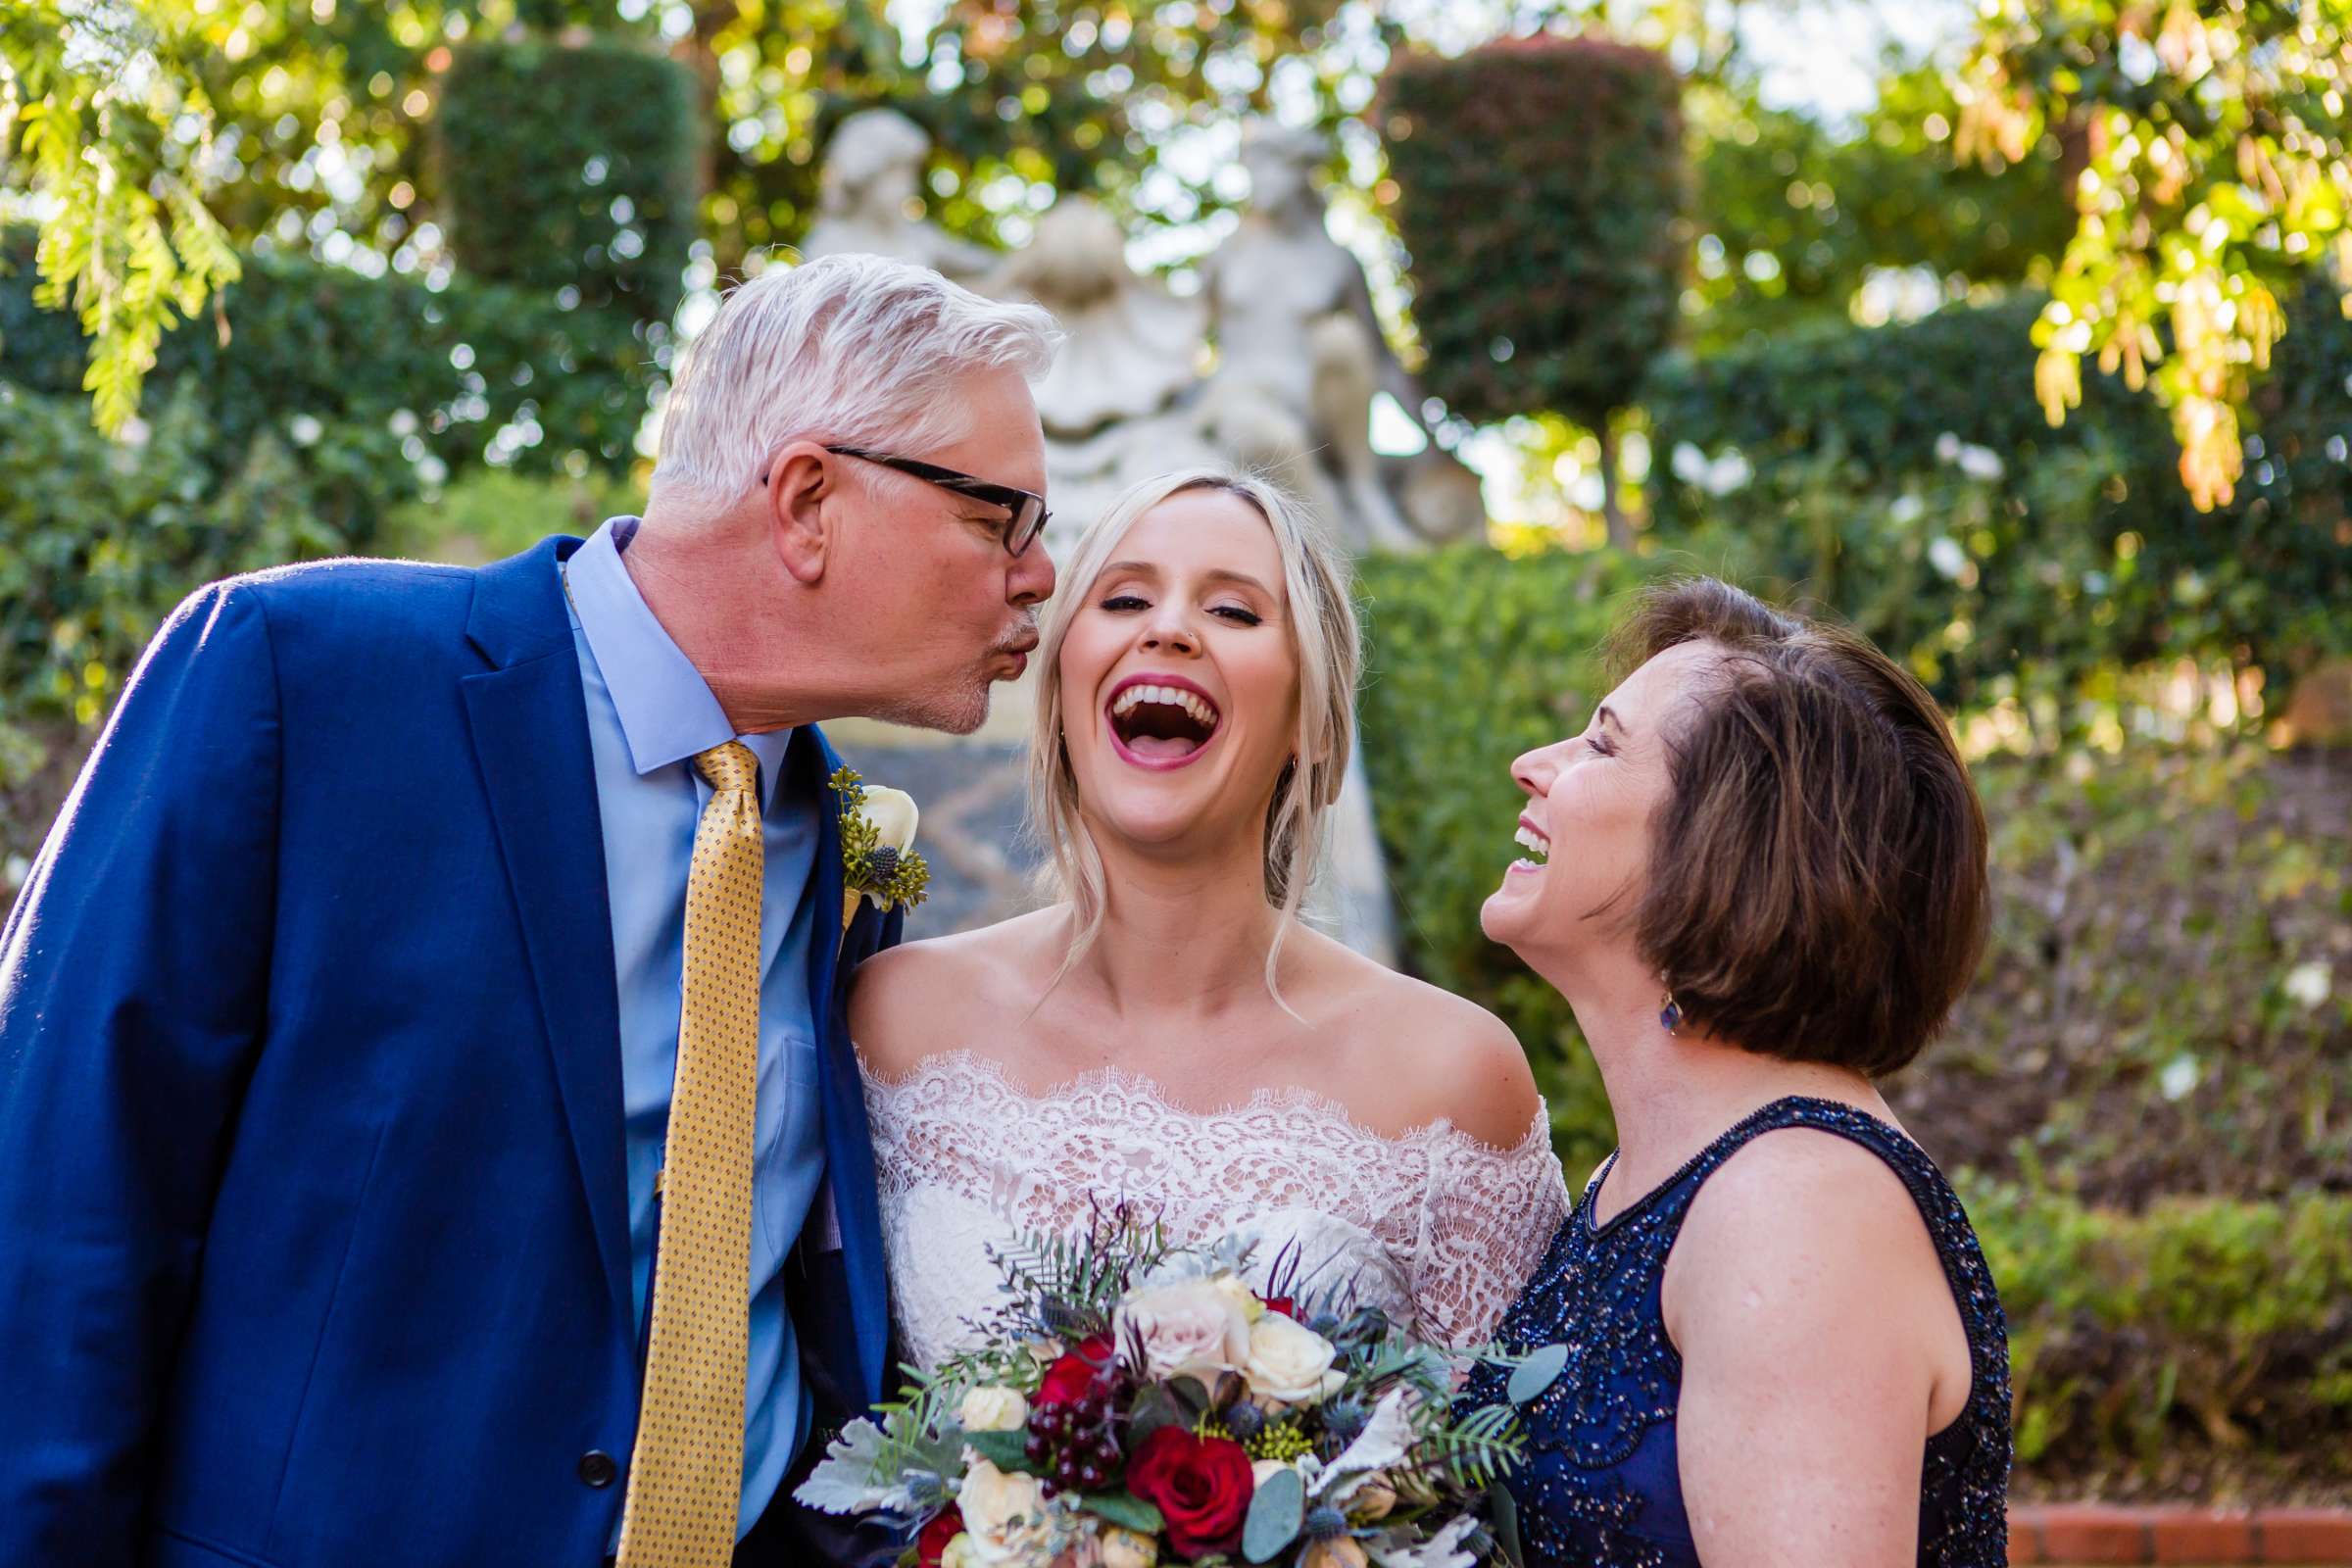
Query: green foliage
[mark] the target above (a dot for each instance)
(98, 101)
(98, 541)
(568, 172)
(2218, 180)
(469, 373)
(491, 513)
(1541, 186)
(1793, 217)
(2167, 1002)
(1902, 474)
(1019, 96)
(2148, 1349)
(1438, 746)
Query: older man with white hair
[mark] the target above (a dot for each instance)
(427, 1128)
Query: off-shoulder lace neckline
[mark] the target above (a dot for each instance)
(1134, 1086)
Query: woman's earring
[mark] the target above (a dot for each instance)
(1670, 1013)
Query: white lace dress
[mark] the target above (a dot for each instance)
(1435, 1227)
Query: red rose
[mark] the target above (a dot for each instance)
(1073, 1374)
(1287, 1306)
(1200, 1485)
(932, 1544)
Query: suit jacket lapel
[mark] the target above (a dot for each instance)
(848, 1140)
(530, 737)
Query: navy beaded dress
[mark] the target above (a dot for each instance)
(1602, 1488)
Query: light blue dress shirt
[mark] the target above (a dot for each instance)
(649, 713)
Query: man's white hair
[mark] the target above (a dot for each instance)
(858, 349)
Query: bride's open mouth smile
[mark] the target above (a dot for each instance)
(1160, 723)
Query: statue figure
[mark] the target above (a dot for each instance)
(1131, 348)
(870, 199)
(1119, 404)
(1302, 355)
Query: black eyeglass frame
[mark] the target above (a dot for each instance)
(1028, 508)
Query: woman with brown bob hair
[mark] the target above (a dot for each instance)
(1758, 878)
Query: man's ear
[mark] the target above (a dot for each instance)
(804, 487)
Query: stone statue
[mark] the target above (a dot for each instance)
(1300, 357)
(1299, 352)
(1120, 403)
(870, 199)
(1131, 347)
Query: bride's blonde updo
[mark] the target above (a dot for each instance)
(1321, 619)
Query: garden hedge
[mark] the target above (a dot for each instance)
(1541, 184)
(568, 171)
(443, 369)
(1906, 475)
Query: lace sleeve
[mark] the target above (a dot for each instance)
(1489, 1216)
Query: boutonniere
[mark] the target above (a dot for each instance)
(877, 847)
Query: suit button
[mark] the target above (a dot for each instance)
(597, 1468)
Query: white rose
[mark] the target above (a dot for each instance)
(894, 815)
(1124, 1548)
(1003, 1515)
(1191, 1329)
(1289, 1361)
(992, 1408)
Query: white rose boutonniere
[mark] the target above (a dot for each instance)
(877, 847)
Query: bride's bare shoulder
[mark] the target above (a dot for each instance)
(1435, 1054)
(922, 998)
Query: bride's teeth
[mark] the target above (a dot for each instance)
(1198, 707)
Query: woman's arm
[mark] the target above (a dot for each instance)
(1806, 1297)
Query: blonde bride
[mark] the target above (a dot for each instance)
(1169, 1033)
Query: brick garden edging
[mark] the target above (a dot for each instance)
(2083, 1534)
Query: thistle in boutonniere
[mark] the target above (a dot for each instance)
(877, 846)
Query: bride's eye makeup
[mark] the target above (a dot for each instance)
(1122, 604)
(1239, 614)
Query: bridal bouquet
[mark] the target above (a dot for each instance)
(1135, 1403)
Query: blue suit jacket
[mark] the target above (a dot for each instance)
(313, 1245)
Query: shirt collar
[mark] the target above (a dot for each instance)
(667, 712)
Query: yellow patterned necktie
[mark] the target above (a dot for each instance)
(686, 1478)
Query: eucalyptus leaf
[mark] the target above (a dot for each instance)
(1540, 1371)
(1151, 1411)
(1277, 1512)
(1192, 1397)
(1006, 1451)
(1126, 1510)
(1503, 1516)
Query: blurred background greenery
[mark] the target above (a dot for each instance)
(2012, 333)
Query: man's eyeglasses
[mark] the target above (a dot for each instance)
(1027, 511)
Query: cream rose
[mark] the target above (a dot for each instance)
(1340, 1552)
(1003, 1515)
(1124, 1548)
(1289, 1361)
(1190, 1329)
(992, 1408)
(894, 815)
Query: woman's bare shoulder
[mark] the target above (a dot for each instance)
(1438, 1056)
(946, 993)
